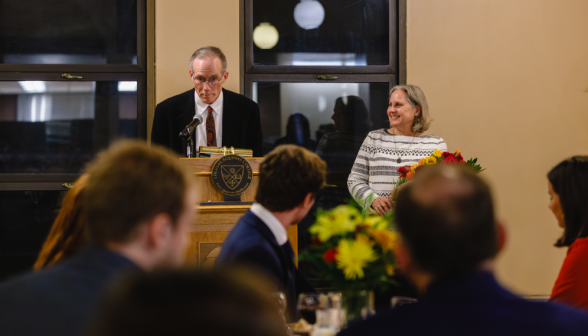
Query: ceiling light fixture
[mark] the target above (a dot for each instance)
(265, 36)
(309, 14)
(127, 86)
(33, 86)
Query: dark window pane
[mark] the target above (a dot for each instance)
(302, 113)
(57, 127)
(27, 217)
(68, 32)
(352, 33)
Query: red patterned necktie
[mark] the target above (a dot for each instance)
(210, 129)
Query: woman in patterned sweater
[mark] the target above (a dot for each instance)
(374, 173)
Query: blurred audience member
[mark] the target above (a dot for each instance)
(289, 178)
(339, 149)
(568, 191)
(220, 303)
(138, 203)
(324, 129)
(449, 239)
(67, 233)
(297, 133)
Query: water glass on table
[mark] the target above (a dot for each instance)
(308, 303)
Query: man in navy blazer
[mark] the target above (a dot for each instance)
(289, 178)
(449, 239)
(133, 224)
(234, 118)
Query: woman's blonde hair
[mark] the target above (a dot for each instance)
(416, 97)
(67, 233)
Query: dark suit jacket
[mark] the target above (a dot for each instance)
(251, 243)
(241, 122)
(476, 305)
(60, 299)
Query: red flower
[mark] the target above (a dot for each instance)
(330, 255)
(450, 159)
(459, 158)
(403, 171)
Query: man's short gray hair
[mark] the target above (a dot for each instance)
(416, 97)
(208, 52)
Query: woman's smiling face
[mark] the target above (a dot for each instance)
(401, 113)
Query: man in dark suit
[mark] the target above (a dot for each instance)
(229, 119)
(289, 178)
(138, 203)
(449, 239)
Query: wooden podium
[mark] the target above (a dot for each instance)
(214, 222)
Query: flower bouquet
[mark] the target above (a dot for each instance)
(407, 173)
(353, 251)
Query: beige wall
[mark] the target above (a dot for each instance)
(506, 82)
(181, 27)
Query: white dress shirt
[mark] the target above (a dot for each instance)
(272, 223)
(217, 110)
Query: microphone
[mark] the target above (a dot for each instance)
(191, 126)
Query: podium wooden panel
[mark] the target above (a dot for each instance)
(214, 222)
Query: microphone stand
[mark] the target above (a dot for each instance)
(190, 147)
(187, 135)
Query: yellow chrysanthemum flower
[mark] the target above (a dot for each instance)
(376, 222)
(342, 219)
(431, 160)
(422, 161)
(414, 167)
(385, 238)
(437, 153)
(353, 256)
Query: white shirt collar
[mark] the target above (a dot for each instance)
(216, 105)
(272, 223)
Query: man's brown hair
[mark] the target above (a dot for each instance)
(130, 183)
(287, 175)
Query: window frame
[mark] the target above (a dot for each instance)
(140, 72)
(397, 15)
(141, 65)
(394, 73)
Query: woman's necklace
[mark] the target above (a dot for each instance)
(399, 160)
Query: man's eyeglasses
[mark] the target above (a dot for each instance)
(212, 81)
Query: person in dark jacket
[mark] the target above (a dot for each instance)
(289, 178)
(229, 119)
(133, 224)
(449, 239)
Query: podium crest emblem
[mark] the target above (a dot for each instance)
(231, 175)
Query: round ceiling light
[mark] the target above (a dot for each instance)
(309, 14)
(265, 36)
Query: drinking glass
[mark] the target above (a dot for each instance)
(308, 303)
(280, 300)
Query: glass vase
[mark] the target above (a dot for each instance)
(358, 305)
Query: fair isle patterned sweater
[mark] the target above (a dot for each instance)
(374, 173)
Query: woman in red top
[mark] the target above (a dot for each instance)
(568, 191)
